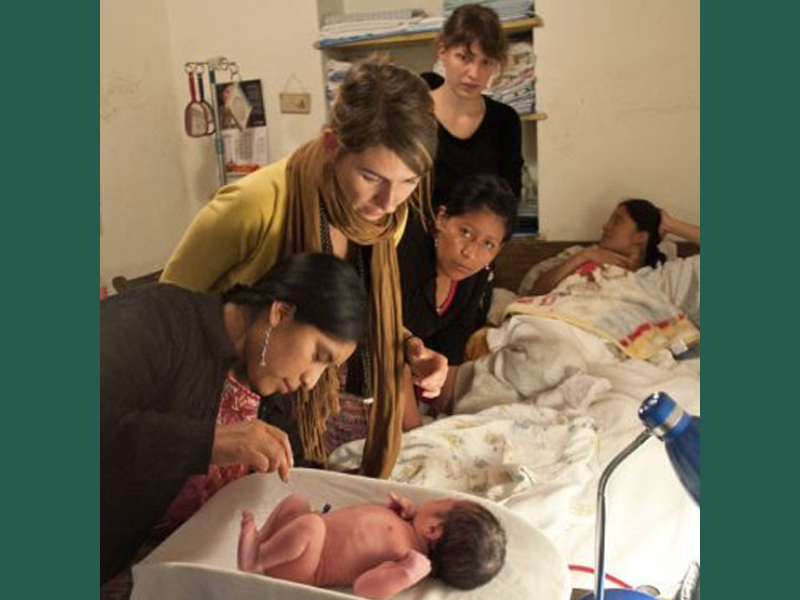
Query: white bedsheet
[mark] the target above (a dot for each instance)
(502, 453)
(198, 562)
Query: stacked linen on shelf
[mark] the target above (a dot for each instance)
(507, 10)
(335, 70)
(426, 24)
(376, 15)
(514, 84)
(352, 27)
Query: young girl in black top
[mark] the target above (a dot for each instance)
(445, 268)
(476, 134)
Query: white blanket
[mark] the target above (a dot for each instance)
(498, 454)
(198, 561)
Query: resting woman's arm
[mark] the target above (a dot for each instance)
(679, 228)
(548, 280)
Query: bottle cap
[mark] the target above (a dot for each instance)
(663, 416)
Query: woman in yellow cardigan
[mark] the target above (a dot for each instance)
(345, 193)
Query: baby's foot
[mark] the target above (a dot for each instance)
(247, 542)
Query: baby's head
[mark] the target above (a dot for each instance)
(468, 547)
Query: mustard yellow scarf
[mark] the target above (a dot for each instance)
(310, 179)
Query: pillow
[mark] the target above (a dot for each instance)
(678, 280)
(501, 298)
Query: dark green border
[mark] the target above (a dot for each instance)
(49, 223)
(749, 187)
(750, 139)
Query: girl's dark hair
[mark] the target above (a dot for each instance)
(472, 548)
(647, 217)
(326, 292)
(472, 23)
(490, 192)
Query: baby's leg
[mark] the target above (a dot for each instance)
(294, 551)
(250, 539)
(248, 543)
(291, 507)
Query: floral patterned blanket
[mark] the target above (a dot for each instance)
(614, 304)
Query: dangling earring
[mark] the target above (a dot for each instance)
(488, 267)
(267, 333)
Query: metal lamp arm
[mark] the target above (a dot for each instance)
(600, 528)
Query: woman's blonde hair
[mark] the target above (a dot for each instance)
(472, 23)
(382, 104)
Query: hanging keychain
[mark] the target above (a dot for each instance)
(235, 105)
(194, 115)
(209, 112)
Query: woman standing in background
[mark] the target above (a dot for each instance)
(476, 134)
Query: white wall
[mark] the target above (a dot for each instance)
(154, 178)
(620, 82)
(143, 198)
(270, 40)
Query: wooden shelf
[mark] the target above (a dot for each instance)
(425, 37)
(537, 116)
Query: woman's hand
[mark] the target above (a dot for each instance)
(665, 226)
(609, 257)
(255, 444)
(428, 368)
(676, 227)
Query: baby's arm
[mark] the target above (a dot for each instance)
(404, 507)
(549, 280)
(392, 576)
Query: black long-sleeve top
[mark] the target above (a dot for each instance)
(164, 353)
(448, 333)
(495, 148)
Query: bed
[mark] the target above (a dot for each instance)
(535, 440)
(532, 441)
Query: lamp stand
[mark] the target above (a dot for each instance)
(600, 526)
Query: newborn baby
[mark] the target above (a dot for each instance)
(379, 550)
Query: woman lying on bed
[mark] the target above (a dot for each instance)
(630, 240)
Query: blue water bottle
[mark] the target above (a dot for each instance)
(680, 432)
